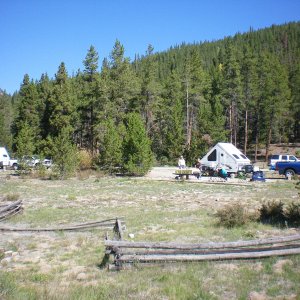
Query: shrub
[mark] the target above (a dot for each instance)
(12, 197)
(85, 160)
(110, 157)
(292, 214)
(272, 213)
(42, 172)
(298, 187)
(163, 161)
(233, 216)
(23, 168)
(65, 155)
(84, 174)
(71, 197)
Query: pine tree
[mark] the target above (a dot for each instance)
(62, 109)
(44, 88)
(150, 90)
(276, 96)
(105, 110)
(217, 132)
(65, 154)
(111, 148)
(198, 87)
(232, 90)
(295, 103)
(124, 85)
(6, 119)
(250, 90)
(25, 141)
(172, 135)
(28, 118)
(90, 101)
(137, 154)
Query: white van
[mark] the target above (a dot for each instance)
(227, 155)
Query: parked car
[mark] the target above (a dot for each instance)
(33, 161)
(47, 162)
(288, 168)
(30, 161)
(273, 159)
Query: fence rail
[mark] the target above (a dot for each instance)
(125, 252)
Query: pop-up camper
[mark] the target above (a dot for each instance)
(227, 155)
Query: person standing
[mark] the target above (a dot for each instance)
(181, 162)
(198, 166)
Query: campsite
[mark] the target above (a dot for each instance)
(153, 208)
(150, 150)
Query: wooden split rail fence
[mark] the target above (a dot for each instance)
(9, 210)
(103, 224)
(125, 252)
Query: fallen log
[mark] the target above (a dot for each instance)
(205, 257)
(106, 224)
(10, 210)
(118, 251)
(210, 245)
(10, 206)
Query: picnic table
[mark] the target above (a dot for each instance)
(184, 173)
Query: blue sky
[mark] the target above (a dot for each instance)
(36, 35)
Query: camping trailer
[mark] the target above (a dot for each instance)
(6, 161)
(227, 155)
(4, 157)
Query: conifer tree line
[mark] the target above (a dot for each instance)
(242, 89)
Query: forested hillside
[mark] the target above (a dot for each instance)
(243, 89)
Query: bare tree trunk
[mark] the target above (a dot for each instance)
(256, 138)
(92, 130)
(268, 142)
(188, 125)
(189, 128)
(148, 113)
(246, 132)
(269, 136)
(230, 123)
(235, 123)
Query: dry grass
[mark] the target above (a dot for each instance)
(66, 265)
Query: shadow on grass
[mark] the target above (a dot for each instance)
(104, 263)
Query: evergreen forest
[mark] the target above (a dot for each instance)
(128, 114)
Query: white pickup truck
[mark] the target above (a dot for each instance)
(6, 161)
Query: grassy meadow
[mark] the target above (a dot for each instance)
(66, 265)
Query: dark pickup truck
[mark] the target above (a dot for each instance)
(288, 168)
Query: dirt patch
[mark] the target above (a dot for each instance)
(280, 264)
